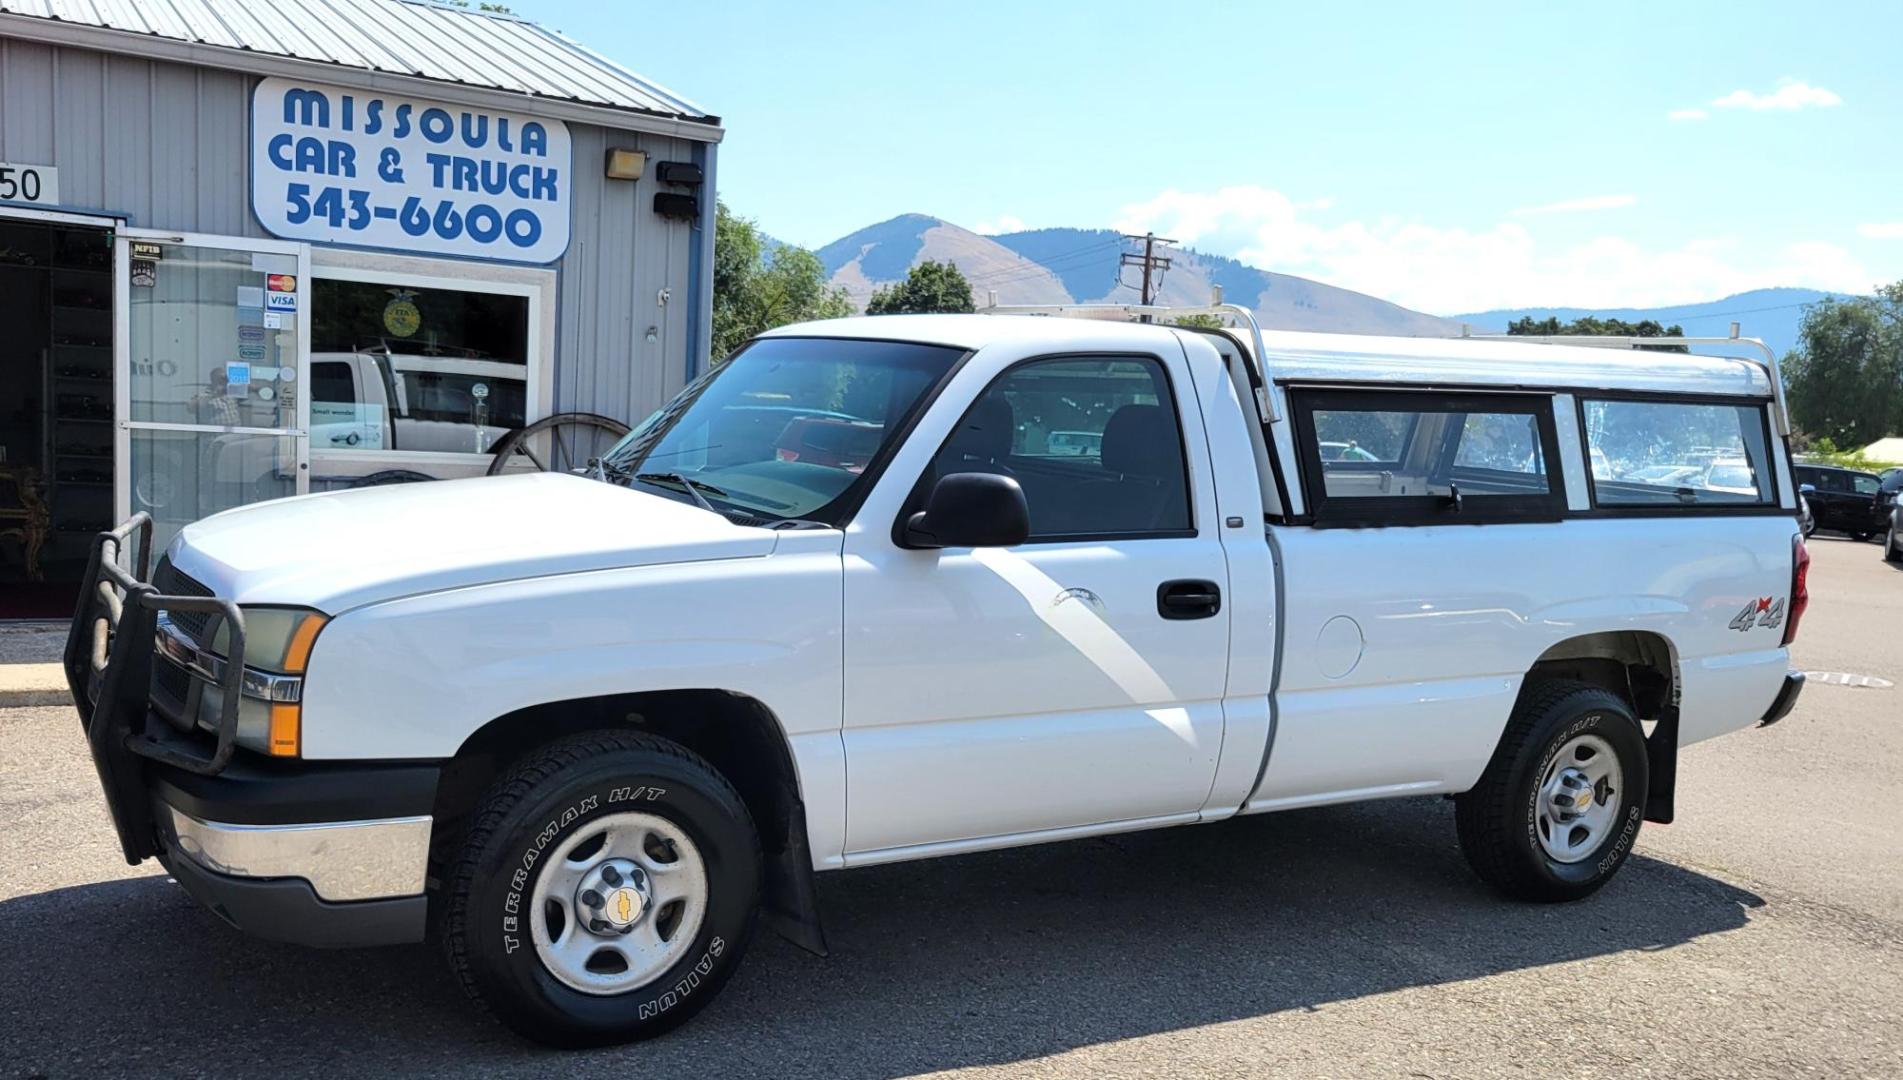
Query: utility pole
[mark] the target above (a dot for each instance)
(1150, 261)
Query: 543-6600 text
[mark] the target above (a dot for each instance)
(350, 208)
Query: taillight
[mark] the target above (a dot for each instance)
(1800, 587)
(786, 455)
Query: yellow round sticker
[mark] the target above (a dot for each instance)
(400, 315)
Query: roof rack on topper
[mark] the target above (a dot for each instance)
(1265, 405)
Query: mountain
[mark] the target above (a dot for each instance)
(1062, 266)
(1771, 314)
(1081, 266)
(881, 254)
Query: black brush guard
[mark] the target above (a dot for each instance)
(109, 655)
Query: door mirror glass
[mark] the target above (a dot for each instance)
(1807, 489)
(971, 510)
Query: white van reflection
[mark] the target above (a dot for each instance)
(397, 401)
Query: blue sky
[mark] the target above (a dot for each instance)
(1449, 157)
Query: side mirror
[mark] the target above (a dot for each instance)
(1807, 489)
(971, 510)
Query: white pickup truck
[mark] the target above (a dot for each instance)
(1087, 576)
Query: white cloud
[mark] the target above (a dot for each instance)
(1004, 223)
(1687, 114)
(1567, 206)
(1445, 269)
(1881, 230)
(1790, 95)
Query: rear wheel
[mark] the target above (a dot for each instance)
(1557, 811)
(1890, 552)
(605, 892)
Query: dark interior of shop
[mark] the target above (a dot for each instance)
(56, 419)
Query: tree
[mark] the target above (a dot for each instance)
(1200, 322)
(1844, 381)
(758, 286)
(930, 286)
(1593, 326)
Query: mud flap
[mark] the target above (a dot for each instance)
(1661, 751)
(792, 904)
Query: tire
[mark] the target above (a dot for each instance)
(630, 789)
(1890, 553)
(1506, 820)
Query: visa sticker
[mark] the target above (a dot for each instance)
(280, 301)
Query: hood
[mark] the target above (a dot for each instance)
(343, 549)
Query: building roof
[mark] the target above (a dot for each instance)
(418, 39)
(1312, 357)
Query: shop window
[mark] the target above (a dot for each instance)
(407, 368)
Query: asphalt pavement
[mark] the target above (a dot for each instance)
(1762, 935)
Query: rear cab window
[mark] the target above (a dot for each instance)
(1653, 454)
(1411, 458)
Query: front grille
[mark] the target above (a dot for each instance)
(172, 581)
(171, 687)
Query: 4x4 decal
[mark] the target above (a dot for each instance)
(1759, 612)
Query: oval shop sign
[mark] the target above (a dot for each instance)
(336, 166)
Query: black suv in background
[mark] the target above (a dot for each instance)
(1847, 500)
(1892, 493)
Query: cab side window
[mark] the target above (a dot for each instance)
(1094, 442)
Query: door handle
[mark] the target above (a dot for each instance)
(1188, 598)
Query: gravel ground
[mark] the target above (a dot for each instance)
(1760, 936)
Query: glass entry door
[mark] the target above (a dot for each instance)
(213, 352)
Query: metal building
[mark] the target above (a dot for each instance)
(249, 250)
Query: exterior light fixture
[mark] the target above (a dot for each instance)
(624, 164)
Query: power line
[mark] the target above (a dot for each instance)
(1151, 263)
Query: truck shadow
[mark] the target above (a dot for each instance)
(982, 959)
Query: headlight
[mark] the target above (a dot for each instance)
(277, 648)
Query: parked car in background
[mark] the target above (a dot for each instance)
(1805, 522)
(1844, 499)
(1890, 502)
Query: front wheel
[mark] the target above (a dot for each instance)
(605, 892)
(1557, 811)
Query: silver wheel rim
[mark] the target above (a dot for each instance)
(618, 902)
(1579, 798)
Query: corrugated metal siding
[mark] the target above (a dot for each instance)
(399, 37)
(166, 144)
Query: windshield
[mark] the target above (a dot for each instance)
(787, 428)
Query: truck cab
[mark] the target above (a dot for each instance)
(894, 588)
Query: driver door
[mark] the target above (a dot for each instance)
(1001, 693)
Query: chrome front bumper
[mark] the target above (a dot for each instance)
(343, 861)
